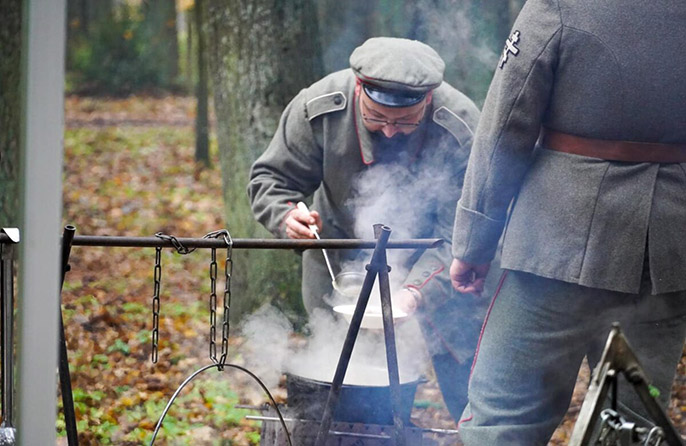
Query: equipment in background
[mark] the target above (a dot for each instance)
(614, 429)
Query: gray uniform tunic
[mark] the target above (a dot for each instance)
(582, 232)
(583, 67)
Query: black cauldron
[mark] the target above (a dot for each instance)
(356, 403)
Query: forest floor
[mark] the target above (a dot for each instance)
(129, 171)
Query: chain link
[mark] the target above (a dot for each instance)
(654, 437)
(228, 271)
(228, 274)
(213, 306)
(180, 248)
(156, 304)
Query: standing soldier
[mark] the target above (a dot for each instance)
(585, 124)
(386, 138)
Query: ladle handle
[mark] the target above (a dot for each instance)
(315, 230)
(303, 207)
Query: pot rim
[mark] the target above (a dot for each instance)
(414, 382)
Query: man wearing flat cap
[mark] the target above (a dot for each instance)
(386, 141)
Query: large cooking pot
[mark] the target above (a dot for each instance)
(357, 403)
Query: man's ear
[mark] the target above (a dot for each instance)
(429, 96)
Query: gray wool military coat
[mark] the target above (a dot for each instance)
(322, 149)
(568, 67)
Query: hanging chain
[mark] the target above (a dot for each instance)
(156, 304)
(228, 274)
(228, 270)
(213, 306)
(181, 249)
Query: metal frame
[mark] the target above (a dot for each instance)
(618, 357)
(69, 239)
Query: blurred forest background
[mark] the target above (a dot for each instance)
(168, 102)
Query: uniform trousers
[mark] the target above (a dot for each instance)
(535, 336)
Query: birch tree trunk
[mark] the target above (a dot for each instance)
(261, 53)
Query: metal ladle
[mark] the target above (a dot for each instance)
(303, 207)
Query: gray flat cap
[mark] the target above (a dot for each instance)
(398, 65)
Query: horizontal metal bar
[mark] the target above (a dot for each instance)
(288, 420)
(153, 242)
(358, 435)
(440, 431)
(274, 419)
(332, 432)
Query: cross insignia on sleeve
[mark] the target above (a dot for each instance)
(510, 48)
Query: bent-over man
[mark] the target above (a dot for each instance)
(385, 141)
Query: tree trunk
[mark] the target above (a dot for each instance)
(347, 23)
(99, 11)
(163, 48)
(190, 30)
(10, 75)
(261, 53)
(202, 145)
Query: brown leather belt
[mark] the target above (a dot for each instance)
(629, 151)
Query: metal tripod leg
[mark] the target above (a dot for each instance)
(379, 266)
(389, 338)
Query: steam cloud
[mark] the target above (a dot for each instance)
(272, 350)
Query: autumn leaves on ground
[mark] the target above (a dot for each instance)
(129, 171)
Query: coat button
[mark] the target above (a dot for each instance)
(416, 282)
(337, 100)
(426, 274)
(440, 114)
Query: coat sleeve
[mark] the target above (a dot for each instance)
(289, 171)
(430, 273)
(507, 132)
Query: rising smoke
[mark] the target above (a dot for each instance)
(272, 349)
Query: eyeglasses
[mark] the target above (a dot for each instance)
(385, 122)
